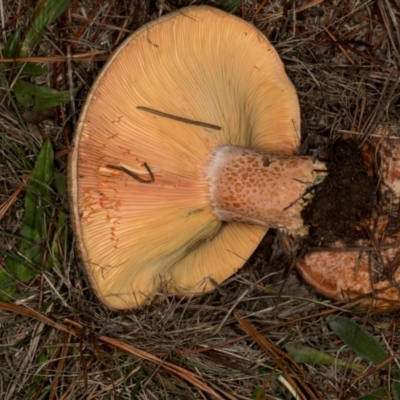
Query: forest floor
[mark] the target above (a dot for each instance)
(58, 341)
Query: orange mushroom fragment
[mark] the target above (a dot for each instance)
(368, 273)
(179, 135)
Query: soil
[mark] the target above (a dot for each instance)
(344, 199)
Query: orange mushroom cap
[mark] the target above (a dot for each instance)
(137, 181)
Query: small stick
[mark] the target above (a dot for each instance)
(180, 119)
(149, 171)
(342, 49)
(132, 174)
(306, 192)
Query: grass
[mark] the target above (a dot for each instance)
(57, 341)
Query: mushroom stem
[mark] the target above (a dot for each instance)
(261, 188)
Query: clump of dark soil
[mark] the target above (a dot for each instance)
(343, 200)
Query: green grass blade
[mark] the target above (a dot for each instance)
(37, 98)
(378, 394)
(44, 14)
(39, 200)
(357, 339)
(11, 46)
(7, 285)
(32, 69)
(308, 355)
(38, 192)
(396, 384)
(230, 5)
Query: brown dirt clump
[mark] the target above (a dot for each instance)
(343, 200)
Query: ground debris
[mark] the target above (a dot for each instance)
(344, 200)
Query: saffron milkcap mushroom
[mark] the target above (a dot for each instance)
(184, 155)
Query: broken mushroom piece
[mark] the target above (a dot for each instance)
(368, 272)
(179, 135)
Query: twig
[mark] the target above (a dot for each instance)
(180, 119)
(8, 203)
(132, 174)
(342, 49)
(222, 323)
(97, 55)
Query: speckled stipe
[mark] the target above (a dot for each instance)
(261, 188)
